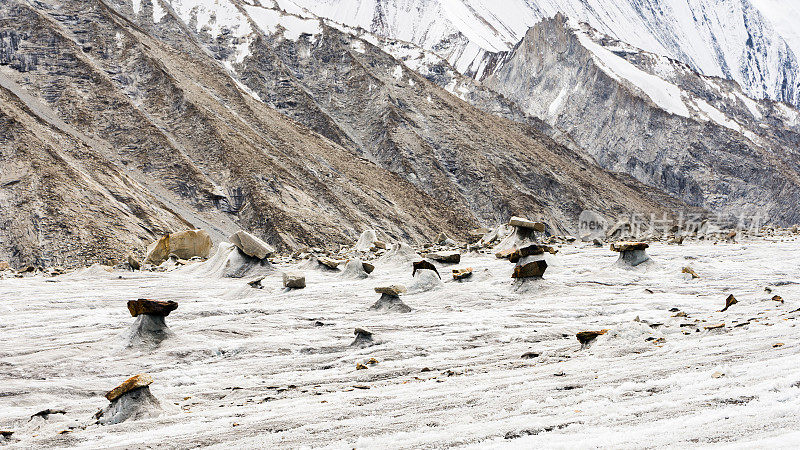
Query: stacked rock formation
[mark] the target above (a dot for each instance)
(530, 261)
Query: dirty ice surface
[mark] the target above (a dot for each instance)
(253, 368)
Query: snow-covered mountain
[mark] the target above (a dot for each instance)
(754, 42)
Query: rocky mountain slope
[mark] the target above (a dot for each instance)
(750, 41)
(697, 137)
(153, 116)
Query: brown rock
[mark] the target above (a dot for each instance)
(394, 290)
(505, 254)
(360, 366)
(158, 251)
(525, 223)
(4, 266)
(184, 245)
(445, 257)
(419, 265)
(379, 245)
(294, 280)
(626, 246)
(190, 243)
(133, 262)
(460, 274)
(368, 267)
(151, 307)
(134, 382)
(584, 337)
(531, 250)
(533, 269)
(689, 270)
(730, 301)
(330, 263)
(715, 326)
(777, 298)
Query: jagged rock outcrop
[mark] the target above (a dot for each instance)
(666, 128)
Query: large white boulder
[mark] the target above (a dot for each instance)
(251, 245)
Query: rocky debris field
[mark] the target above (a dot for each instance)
(595, 352)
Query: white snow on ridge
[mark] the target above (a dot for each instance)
(785, 17)
(158, 11)
(294, 27)
(710, 35)
(214, 17)
(664, 94)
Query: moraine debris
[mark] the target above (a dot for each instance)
(730, 301)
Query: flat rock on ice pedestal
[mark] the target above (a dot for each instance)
(394, 290)
(631, 253)
(130, 400)
(530, 250)
(251, 245)
(627, 246)
(151, 307)
(584, 337)
(390, 303)
(519, 222)
(445, 257)
(128, 385)
(363, 338)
